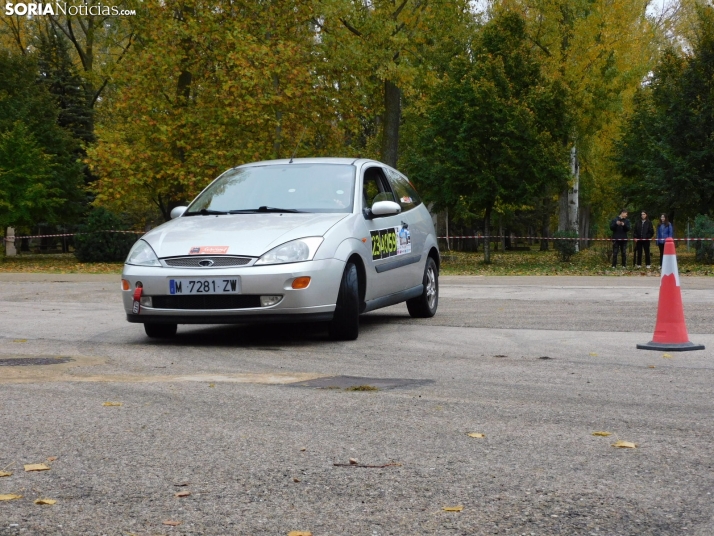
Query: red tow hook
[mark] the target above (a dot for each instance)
(136, 309)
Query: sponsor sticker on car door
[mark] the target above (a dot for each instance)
(390, 242)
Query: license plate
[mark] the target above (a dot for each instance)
(208, 285)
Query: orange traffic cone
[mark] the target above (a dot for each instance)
(670, 331)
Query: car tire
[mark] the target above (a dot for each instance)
(160, 331)
(424, 306)
(345, 324)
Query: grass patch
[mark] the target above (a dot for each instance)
(362, 388)
(56, 263)
(592, 261)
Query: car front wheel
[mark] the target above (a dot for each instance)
(345, 324)
(424, 306)
(160, 331)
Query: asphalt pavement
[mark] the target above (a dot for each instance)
(256, 425)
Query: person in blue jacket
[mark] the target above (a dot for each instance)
(664, 231)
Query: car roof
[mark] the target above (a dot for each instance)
(315, 160)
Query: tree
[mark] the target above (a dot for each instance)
(599, 51)
(387, 45)
(490, 130)
(51, 191)
(666, 153)
(206, 89)
(28, 192)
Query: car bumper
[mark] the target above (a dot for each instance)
(314, 303)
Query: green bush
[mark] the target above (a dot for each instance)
(703, 228)
(565, 248)
(93, 245)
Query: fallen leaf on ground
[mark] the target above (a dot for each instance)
(51, 458)
(476, 434)
(211, 384)
(9, 497)
(667, 356)
(354, 461)
(452, 508)
(112, 404)
(45, 501)
(393, 464)
(182, 494)
(296, 480)
(19, 340)
(182, 484)
(172, 523)
(5, 473)
(593, 354)
(602, 434)
(299, 533)
(303, 449)
(625, 445)
(37, 467)
(651, 366)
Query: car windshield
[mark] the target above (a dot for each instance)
(277, 188)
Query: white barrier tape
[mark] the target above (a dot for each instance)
(13, 238)
(574, 238)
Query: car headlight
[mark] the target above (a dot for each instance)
(303, 249)
(141, 254)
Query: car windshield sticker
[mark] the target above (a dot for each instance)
(208, 250)
(391, 242)
(406, 199)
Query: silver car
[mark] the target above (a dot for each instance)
(312, 239)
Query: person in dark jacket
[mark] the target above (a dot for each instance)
(644, 231)
(620, 226)
(664, 231)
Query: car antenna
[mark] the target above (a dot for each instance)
(298, 145)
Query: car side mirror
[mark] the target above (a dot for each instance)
(177, 211)
(385, 208)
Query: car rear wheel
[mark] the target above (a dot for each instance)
(160, 331)
(424, 306)
(345, 324)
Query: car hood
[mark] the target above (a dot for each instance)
(251, 235)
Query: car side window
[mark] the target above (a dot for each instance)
(406, 195)
(375, 187)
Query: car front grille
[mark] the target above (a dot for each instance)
(209, 301)
(218, 262)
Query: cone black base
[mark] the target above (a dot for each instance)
(670, 347)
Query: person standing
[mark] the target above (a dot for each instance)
(644, 231)
(664, 231)
(620, 226)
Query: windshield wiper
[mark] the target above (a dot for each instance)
(206, 212)
(263, 209)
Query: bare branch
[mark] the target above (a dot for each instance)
(351, 28)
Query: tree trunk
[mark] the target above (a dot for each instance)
(278, 121)
(390, 130)
(563, 210)
(584, 231)
(501, 234)
(486, 238)
(545, 232)
(573, 198)
(446, 221)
